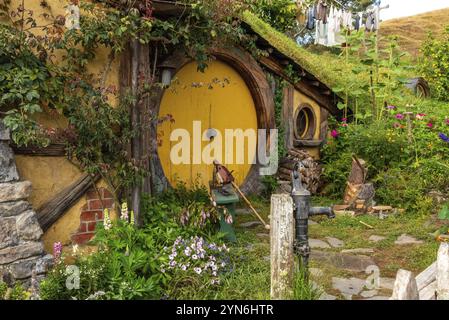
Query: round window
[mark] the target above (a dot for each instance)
(305, 123)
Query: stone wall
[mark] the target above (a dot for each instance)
(21, 248)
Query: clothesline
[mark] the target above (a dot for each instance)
(328, 20)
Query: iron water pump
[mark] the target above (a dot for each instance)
(302, 210)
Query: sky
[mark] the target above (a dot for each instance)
(404, 8)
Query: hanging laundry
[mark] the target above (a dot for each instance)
(301, 12)
(310, 21)
(370, 22)
(322, 11)
(357, 23)
(331, 27)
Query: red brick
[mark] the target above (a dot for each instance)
(107, 194)
(92, 194)
(82, 238)
(87, 216)
(97, 204)
(82, 228)
(91, 226)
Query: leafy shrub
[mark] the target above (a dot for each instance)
(435, 64)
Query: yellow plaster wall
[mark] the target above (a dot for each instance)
(300, 99)
(49, 175)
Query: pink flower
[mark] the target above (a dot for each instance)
(420, 116)
(430, 125)
(391, 107)
(344, 120)
(344, 125)
(334, 134)
(57, 250)
(447, 121)
(400, 116)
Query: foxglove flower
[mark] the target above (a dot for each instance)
(107, 220)
(124, 215)
(57, 250)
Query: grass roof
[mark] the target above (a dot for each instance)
(325, 67)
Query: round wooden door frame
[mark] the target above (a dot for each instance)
(256, 80)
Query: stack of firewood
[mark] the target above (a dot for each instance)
(310, 172)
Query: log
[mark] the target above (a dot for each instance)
(54, 209)
(358, 171)
(282, 238)
(429, 292)
(405, 287)
(53, 150)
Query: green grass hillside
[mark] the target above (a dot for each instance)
(412, 31)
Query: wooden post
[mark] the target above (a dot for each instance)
(405, 287)
(282, 238)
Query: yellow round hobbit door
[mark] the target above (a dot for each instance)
(305, 123)
(203, 105)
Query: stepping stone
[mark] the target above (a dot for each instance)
(343, 261)
(387, 283)
(358, 251)
(406, 240)
(375, 238)
(327, 297)
(318, 244)
(251, 224)
(368, 293)
(242, 211)
(384, 298)
(334, 242)
(352, 286)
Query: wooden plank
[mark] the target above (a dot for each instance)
(53, 150)
(443, 272)
(282, 238)
(405, 287)
(427, 276)
(54, 209)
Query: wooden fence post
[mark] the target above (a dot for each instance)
(282, 238)
(405, 287)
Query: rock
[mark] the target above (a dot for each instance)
(4, 132)
(318, 244)
(14, 191)
(343, 261)
(22, 251)
(8, 232)
(251, 224)
(387, 283)
(327, 297)
(334, 242)
(22, 269)
(429, 292)
(44, 264)
(358, 251)
(352, 286)
(375, 238)
(28, 227)
(8, 209)
(8, 170)
(368, 293)
(443, 272)
(405, 287)
(242, 211)
(406, 240)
